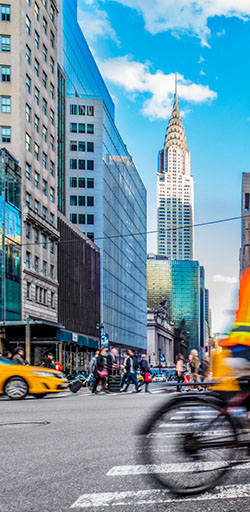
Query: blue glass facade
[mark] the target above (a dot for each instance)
(10, 238)
(83, 77)
(180, 283)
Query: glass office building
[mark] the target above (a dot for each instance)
(178, 282)
(10, 238)
(104, 194)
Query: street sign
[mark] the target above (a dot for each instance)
(162, 358)
(105, 340)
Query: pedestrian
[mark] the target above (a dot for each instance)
(112, 360)
(125, 372)
(49, 361)
(195, 365)
(205, 369)
(131, 367)
(101, 372)
(145, 371)
(7, 354)
(18, 357)
(179, 370)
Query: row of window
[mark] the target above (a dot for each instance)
(81, 182)
(81, 164)
(28, 54)
(39, 210)
(81, 110)
(41, 295)
(81, 128)
(37, 100)
(37, 37)
(37, 175)
(28, 144)
(38, 267)
(81, 218)
(81, 146)
(5, 43)
(81, 201)
(52, 12)
(37, 235)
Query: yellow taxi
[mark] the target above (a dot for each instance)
(17, 381)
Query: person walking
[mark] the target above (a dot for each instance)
(18, 357)
(179, 370)
(145, 371)
(112, 360)
(195, 365)
(7, 354)
(131, 367)
(125, 372)
(49, 361)
(101, 372)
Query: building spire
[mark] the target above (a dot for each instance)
(176, 81)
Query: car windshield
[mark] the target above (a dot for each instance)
(4, 360)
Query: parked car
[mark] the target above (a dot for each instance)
(17, 381)
(159, 378)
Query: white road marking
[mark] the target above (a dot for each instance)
(185, 467)
(154, 496)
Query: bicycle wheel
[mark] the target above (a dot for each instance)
(179, 445)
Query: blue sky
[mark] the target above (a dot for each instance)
(139, 44)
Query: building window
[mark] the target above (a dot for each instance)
(45, 80)
(81, 146)
(5, 43)
(81, 110)
(52, 39)
(37, 68)
(52, 65)
(28, 142)
(28, 54)
(37, 179)
(90, 128)
(81, 200)
(52, 168)
(37, 96)
(52, 13)
(27, 259)
(90, 165)
(40, 294)
(37, 123)
(28, 25)
(90, 201)
(45, 133)
(247, 197)
(45, 296)
(81, 218)
(81, 164)
(81, 182)
(28, 199)
(90, 110)
(52, 116)
(90, 219)
(91, 236)
(81, 127)
(90, 182)
(36, 293)
(45, 3)
(52, 299)
(5, 11)
(73, 110)
(37, 40)
(28, 230)
(73, 218)
(45, 159)
(37, 206)
(28, 84)
(45, 53)
(73, 163)
(36, 236)
(73, 145)
(28, 287)
(45, 26)
(52, 272)
(52, 247)
(45, 107)
(52, 91)
(73, 182)
(37, 151)
(28, 113)
(28, 171)
(73, 200)
(5, 73)
(90, 147)
(45, 213)
(37, 265)
(52, 219)
(37, 11)
(45, 187)
(73, 127)
(44, 242)
(5, 104)
(52, 143)
(52, 194)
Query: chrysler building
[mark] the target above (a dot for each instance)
(175, 192)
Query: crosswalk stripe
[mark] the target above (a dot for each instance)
(154, 496)
(185, 467)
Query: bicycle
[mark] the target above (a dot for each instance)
(206, 442)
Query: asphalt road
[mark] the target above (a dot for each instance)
(84, 456)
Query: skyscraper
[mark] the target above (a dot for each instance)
(175, 192)
(245, 222)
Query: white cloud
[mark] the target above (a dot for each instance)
(218, 278)
(201, 59)
(202, 72)
(138, 80)
(186, 16)
(95, 22)
(221, 33)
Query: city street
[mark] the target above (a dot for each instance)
(80, 452)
